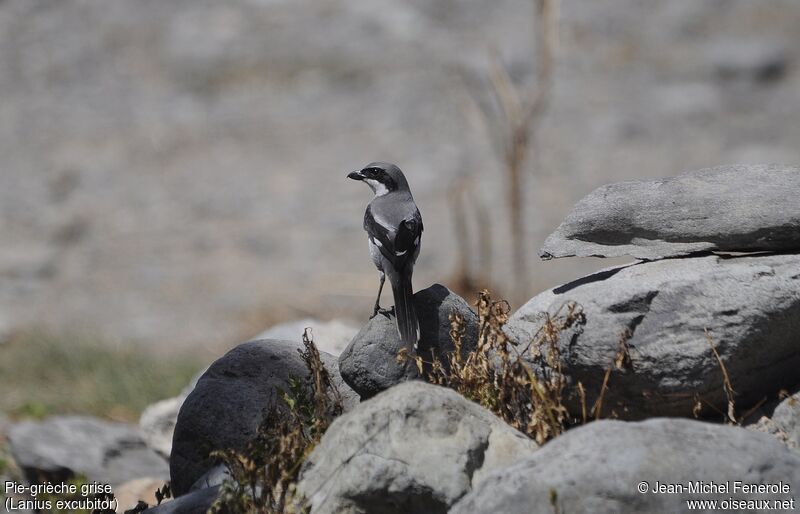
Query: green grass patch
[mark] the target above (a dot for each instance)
(43, 374)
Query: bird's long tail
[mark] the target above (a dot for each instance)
(407, 324)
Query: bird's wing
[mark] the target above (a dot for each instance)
(397, 240)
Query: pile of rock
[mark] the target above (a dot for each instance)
(409, 446)
(227, 403)
(220, 409)
(744, 298)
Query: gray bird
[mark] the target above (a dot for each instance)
(394, 231)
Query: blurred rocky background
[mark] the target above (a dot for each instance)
(173, 173)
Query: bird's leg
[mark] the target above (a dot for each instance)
(378, 299)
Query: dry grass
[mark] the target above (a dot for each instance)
(263, 475)
(523, 386)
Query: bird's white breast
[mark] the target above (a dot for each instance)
(375, 252)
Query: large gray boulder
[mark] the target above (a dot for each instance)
(414, 448)
(615, 467)
(61, 447)
(228, 403)
(369, 363)
(749, 305)
(728, 208)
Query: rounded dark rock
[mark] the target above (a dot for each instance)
(228, 403)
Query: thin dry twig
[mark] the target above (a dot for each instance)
(516, 125)
(597, 408)
(726, 382)
(582, 394)
(621, 360)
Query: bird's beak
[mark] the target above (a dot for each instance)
(355, 175)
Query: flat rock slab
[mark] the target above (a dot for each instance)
(228, 403)
(64, 446)
(414, 448)
(750, 306)
(369, 363)
(729, 208)
(600, 467)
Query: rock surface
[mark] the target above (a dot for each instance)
(63, 446)
(787, 418)
(129, 494)
(227, 404)
(728, 208)
(157, 424)
(195, 502)
(157, 421)
(783, 422)
(369, 363)
(212, 478)
(413, 448)
(329, 336)
(750, 306)
(597, 468)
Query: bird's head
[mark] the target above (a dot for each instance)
(381, 177)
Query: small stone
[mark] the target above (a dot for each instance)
(369, 364)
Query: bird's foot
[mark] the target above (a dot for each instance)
(385, 312)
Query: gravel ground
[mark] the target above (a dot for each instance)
(174, 172)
